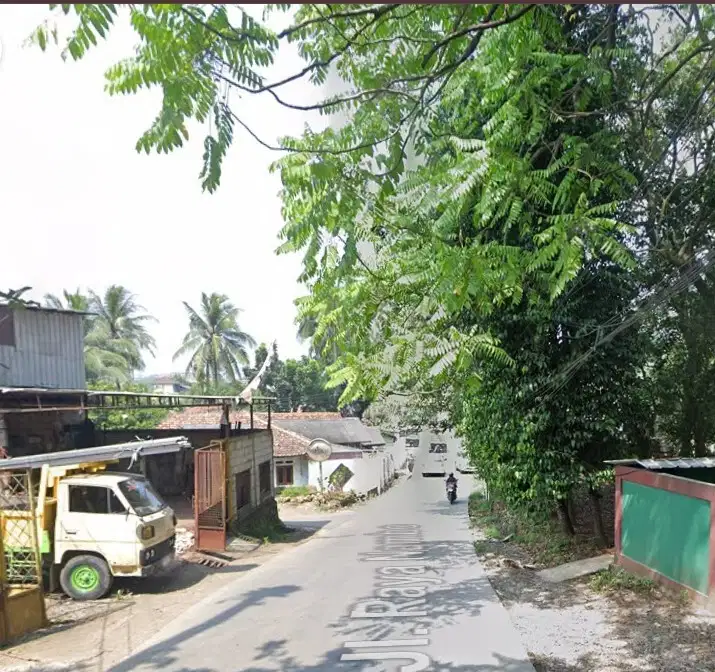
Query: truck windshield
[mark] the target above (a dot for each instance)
(141, 496)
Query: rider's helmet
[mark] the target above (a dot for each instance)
(451, 475)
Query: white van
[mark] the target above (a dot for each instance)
(434, 454)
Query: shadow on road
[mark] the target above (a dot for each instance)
(166, 652)
(281, 659)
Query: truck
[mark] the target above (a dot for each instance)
(92, 524)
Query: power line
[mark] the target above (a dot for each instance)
(650, 304)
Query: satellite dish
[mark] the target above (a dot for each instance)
(319, 450)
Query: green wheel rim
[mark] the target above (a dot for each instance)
(84, 578)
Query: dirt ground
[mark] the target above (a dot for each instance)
(569, 627)
(93, 636)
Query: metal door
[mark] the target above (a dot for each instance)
(210, 498)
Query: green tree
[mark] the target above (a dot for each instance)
(217, 347)
(496, 162)
(294, 384)
(120, 324)
(143, 418)
(15, 297)
(70, 301)
(108, 359)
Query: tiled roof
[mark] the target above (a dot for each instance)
(286, 443)
(203, 416)
(211, 417)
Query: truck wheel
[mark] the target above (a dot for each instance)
(85, 577)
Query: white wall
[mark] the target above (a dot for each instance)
(301, 476)
(372, 471)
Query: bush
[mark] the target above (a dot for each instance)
(292, 491)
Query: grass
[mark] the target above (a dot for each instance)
(293, 491)
(616, 579)
(270, 531)
(540, 539)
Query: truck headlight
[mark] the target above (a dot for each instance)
(146, 532)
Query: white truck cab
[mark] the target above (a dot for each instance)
(107, 525)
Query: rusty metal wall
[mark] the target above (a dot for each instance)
(48, 352)
(210, 498)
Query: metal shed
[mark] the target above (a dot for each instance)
(665, 522)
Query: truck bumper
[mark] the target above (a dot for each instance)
(159, 566)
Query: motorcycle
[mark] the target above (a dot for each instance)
(452, 491)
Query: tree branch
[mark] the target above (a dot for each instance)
(479, 27)
(378, 11)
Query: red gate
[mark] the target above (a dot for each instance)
(210, 498)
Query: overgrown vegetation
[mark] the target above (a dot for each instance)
(538, 538)
(293, 491)
(512, 226)
(617, 579)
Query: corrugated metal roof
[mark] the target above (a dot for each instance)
(668, 463)
(47, 309)
(118, 451)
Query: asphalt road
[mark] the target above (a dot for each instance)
(394, 586)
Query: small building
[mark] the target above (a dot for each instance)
(41, 347)
(665, 522)
(165, 383)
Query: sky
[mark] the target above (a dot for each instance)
(79, 207)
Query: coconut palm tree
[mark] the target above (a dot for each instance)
(72, 301)
(217, 346)
(121, 319)
(106, 358)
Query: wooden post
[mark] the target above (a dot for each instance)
(36, 544)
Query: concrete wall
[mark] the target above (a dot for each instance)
(247, 453)
(48, 351)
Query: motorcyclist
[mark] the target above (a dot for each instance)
(451, 479)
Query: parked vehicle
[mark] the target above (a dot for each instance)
(94, 526)
(463, 465)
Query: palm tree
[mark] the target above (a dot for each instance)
(13, 297)
(105, 358)
(72, 301)
(121, 320)
(217, 346)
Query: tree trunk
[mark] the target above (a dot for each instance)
(598, 529)
(562, 512)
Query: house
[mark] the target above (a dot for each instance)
(165, 383)
(358, 461)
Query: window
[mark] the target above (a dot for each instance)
(243, 489)
(7, 326)
(438, 448)
(412, 443)
(94, 499)
(141, 496)
(284, 474)
(264, 477)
